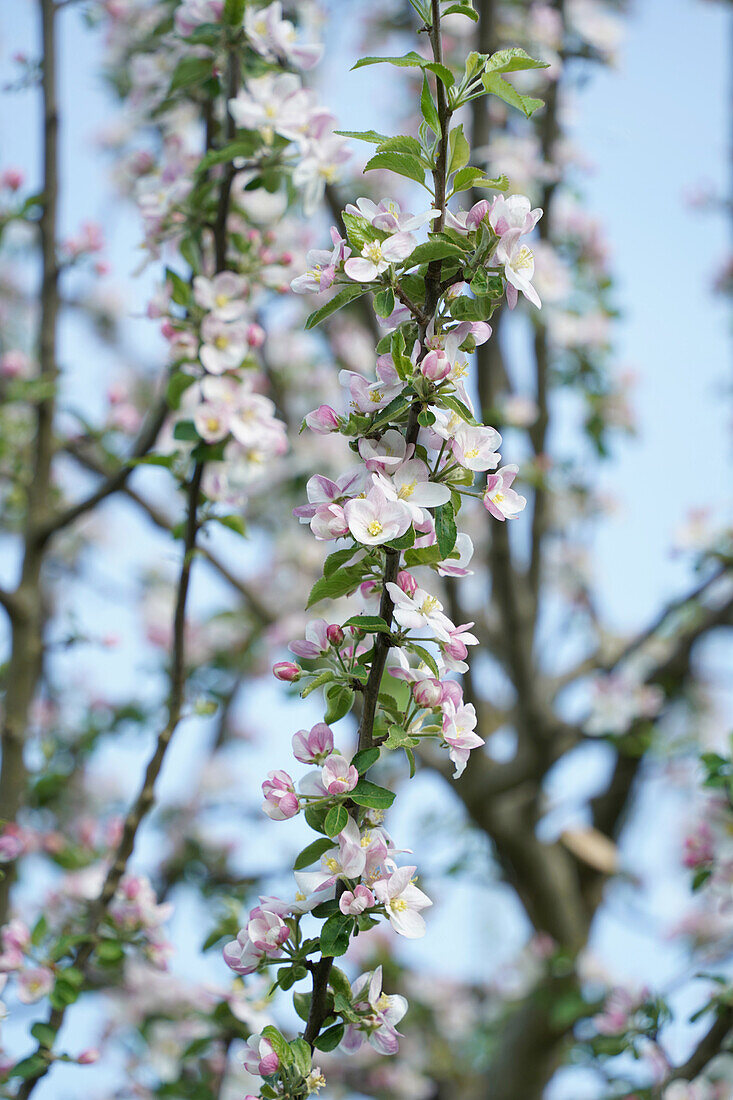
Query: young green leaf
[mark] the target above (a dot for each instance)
(348, 294)
(370, 795)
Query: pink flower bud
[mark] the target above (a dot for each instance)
(88, 1057)
(255, 335)
(435, 366)
(477, 213)
(14, 364)
(452, 692)
(338, 775)
(12, 178)
(323, 420)
(168, 331)
(335, 634)
(281, 801)
(287, 671)
(352, 904)
(427, 693)
(407, 582)
(313, 746)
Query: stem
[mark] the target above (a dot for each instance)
(322, 969)
(26, 656)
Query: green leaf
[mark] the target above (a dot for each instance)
(301, 1056)
(29, 1067)
(302, 1005)
(428, 108)
(370, 795)
(441, 71)
(233, 522)
(384, 302)
(242, 147)
(234, 12)
(371, 624)
(364, 760)
(316, 816)
(335, 934)
(339, 701)
(336, 819)
(190, 70)
(469, 176)
(44, 1033)
(511, 61)
(496, 85)
(322, 678)
(425, 418)
(279, 1044)
(462, 9)
(178, 383)
(455, 403)
(180, 290)
(435, 250)
(331, 1038)
(339, 583)
(424, 555)
(348, 294)
(404, 164)
(39, 930)
(459, 150)
(392, 411)
(339, 557)
(446, 531)
(186, 430)
(399, 738)
(364, 135)
(404, 542)
(426, 656)
(312, 853)
(402, 143)
(410, 60)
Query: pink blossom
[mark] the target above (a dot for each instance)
(287, 671)
(379, 1014)
(419, 611)
(323, 420)
(410, 486)
(34, 983)
(12, 178)
(376, 257)
(259, 1057)
(435, 366)
(518, 262)
(354, 903)
(329, 522)
(386, 454)
(338, 775)
(513, 212)
(427, 693)
(459, 723)
(267, 931)
(222, 296)
(313, 746)
(88, 1057)
(375, 519)
(388, 215)
(403, 901)
(275, 38)
(316, 641)
(499, 498)
(281, 801)
(369, 397)
(476, 447)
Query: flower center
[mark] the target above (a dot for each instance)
(222, 342)
(524, 258)
(399, 905)
(376, 396)
(406, 491)
(221, 300)
(498, 497)
(429, 604)
(473, 453)
(375, 527)
(373, 252)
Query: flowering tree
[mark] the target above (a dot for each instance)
(223, 141)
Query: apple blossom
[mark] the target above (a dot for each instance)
(355, 902)
(34, 983)
(379, 1014)
(286, 671)
(375, 519)
(313, 746)
(281, 801)
(419, 611)
(513, 212)
(499, 498)
(223, 295)
(386, 454)
(323, 420)
(275, 37)
(476, 447)
(459, 723)
(376, 257)
(259, 1057)
(403, 901)
(518, 262)
(338, 775)
(410, 485)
